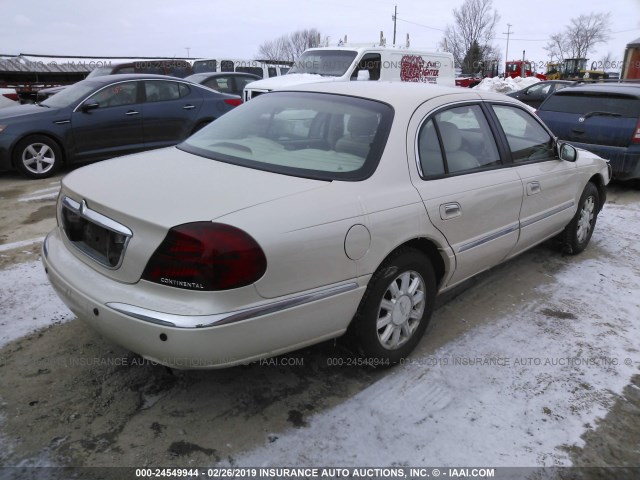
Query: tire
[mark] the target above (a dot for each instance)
(395, 309)
(37, 156)
(577, 233)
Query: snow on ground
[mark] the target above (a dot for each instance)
(27, 302)
(505, 85)
(524, 385)
(508, 393)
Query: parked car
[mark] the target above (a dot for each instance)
(535, 94)
(601, 117)
(8, 97)
(224, 82)
(103, 117)
(45, 93)
(310, 211)
(171, 67)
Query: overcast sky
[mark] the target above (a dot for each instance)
(210, 28)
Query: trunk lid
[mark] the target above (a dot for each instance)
(151, 192)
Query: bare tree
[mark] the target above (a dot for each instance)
(289, 47)
(580, 36)
(475, 23)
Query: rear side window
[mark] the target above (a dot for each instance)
(583, 103)
(160, 91)
(456, 140)
(254, 70)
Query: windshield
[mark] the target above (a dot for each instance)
(70, 95)
(311, 135)
(332, 63)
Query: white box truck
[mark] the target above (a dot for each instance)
(345, 63)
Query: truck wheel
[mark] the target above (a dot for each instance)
(37, 156)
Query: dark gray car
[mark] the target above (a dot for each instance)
(225, 82)
(535, 94)
(105, 117)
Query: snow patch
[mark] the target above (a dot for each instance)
(505, 85)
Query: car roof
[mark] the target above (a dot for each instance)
(396, 93)
(632, 89)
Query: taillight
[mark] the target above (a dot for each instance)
(206, 256)
(636, 135)
(11, 96)
(234, 102)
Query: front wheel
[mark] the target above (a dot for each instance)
(396, 308)
(577, 233)
(37, 156)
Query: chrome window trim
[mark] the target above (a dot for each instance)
(99, 219)
(429, 116)
(214, 320)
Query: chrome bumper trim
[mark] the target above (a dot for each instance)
(204, 321)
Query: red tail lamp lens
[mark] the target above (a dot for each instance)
(234, 102)
(206, 256)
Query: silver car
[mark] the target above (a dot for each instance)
(309, 212)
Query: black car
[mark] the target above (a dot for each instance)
(535, 94)
(603, 118)
(225, 82)
(104, 117)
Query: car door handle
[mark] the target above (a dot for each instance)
(189, 107)
(533, 188)
(132, 112)
(450, 210)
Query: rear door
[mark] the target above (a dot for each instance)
(470, 196)
(170, 111)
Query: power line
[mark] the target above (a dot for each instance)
(419, 24)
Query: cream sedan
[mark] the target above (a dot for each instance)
(311, 212)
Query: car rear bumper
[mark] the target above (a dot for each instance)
(625, 162)
(186, 342)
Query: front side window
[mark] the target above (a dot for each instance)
(311, 135)
(115, 95)
(528, 140)
(456, 140)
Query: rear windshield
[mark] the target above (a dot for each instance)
(583, 103)
(311, 135)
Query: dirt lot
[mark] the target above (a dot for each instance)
(69, 398)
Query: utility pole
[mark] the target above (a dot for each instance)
(507, 33)
(394, 18)
(187, 49)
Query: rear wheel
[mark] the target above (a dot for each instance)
(396, 308)
(37, 156)
(577, 233)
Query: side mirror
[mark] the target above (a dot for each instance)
(567, 152)
(86, 107)
(363, 75)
